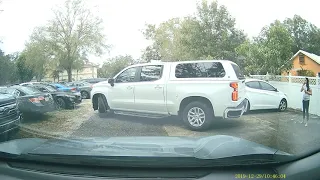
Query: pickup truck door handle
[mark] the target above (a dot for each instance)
(158, 87)
(129, 87)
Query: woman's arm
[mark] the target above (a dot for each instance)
(302, 89)
(308, 92)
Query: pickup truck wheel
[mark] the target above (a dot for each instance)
(102, 108)
(197, 116)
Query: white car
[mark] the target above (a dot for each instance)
(196, 91)
(262, 95)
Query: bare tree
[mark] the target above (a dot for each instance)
(75, 31)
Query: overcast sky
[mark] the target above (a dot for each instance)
(124, 19)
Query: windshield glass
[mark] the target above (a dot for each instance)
(28, 90)
(51, 89)
(224, 70)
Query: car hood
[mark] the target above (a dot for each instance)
(211, 147)
(101, 83)
(4, 98)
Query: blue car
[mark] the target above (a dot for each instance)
(63, 88)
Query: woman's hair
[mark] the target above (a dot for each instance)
(307, 84)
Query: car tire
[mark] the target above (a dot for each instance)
(202, 109)
(61, 104)
(102, 107)
(85, 95)
(283, 105)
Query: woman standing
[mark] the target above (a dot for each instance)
(307, 92)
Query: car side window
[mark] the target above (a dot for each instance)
(200, 70)
(151, 73)
(17, 93)
(266, 86)
(43, 89)
(253, 84)
(128, 75)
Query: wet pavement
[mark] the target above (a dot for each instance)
(279, 130)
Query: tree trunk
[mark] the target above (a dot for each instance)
(69, 71)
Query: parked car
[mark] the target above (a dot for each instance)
(32, 83)
(9, 115)
(74, 90)
(63, 100)
(85, 88)
(196, 91)
(31, 100)
(94, 80)
(262, 95)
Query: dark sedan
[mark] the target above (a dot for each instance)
(31, 100)
(74, 90)
(63, 100)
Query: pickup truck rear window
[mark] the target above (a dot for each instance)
(238, 71)
(200, 70)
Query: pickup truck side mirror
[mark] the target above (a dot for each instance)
(111, 81)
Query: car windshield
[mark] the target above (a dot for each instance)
(181, 78)
(51, 89)
(28, 90)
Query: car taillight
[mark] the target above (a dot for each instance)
(235, 94)
(73, 90)
(36, 100)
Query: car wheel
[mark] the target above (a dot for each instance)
(197, 116)
(102, 108)
(283, 105)
(85, 95)
(61, 104)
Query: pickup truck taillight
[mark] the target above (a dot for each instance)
(234, 94)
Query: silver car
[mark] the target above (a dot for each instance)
(85, 88)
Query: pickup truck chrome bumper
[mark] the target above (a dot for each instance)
(236, 112)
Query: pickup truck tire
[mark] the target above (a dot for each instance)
(197, 115)
(102, 107)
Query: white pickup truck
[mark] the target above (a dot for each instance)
(196, 91)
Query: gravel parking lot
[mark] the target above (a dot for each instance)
(271, 128)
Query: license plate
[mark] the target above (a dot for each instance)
(46, 99)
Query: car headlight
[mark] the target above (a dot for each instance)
(69, 96)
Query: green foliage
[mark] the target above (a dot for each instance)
(306, 35)
(209, 33)
(307, 73)
(269, 52)
(68, 37)
(114, 66)
(24, 72)
(7, 69)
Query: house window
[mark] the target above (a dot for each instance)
(301, 59)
